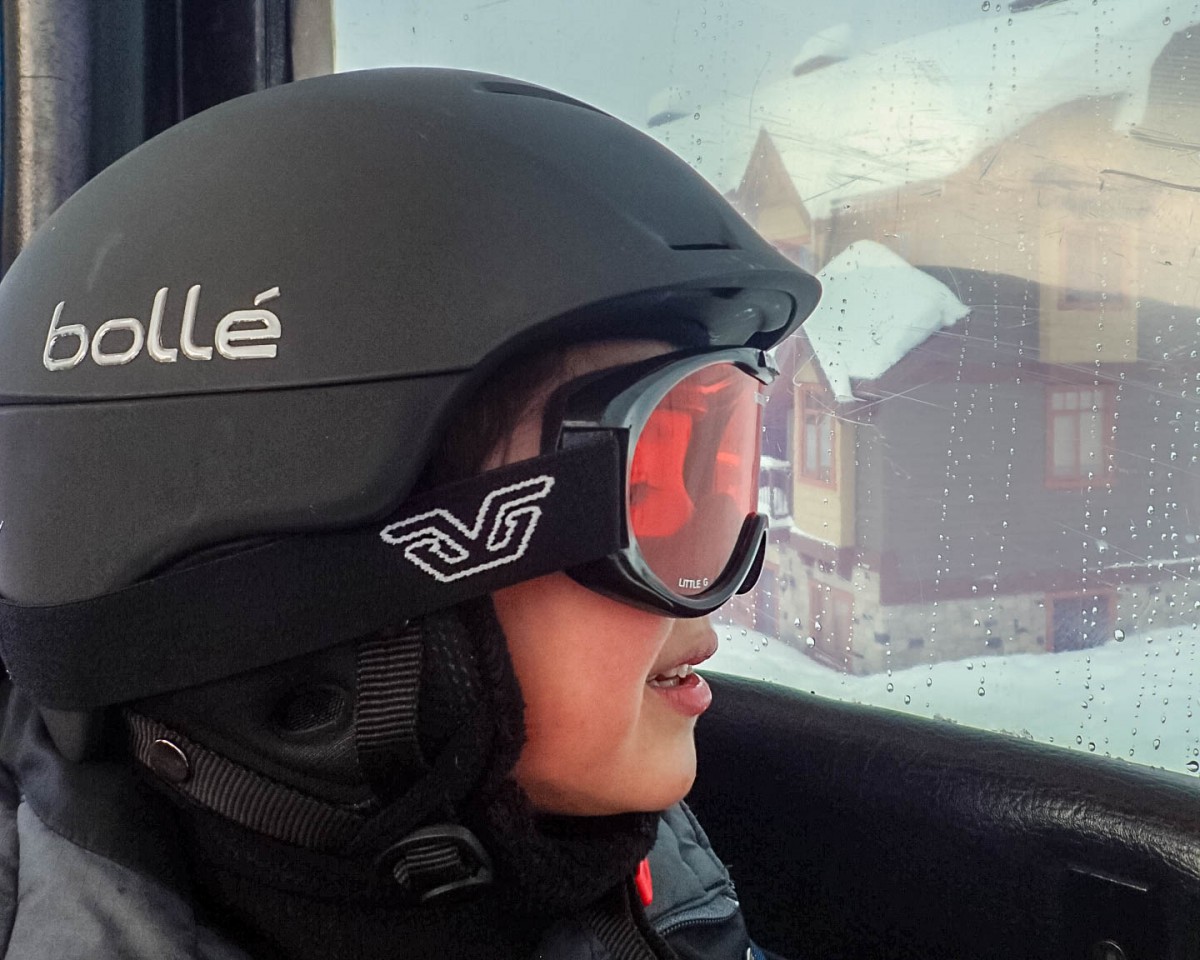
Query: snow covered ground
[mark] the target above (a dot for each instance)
(1137, 699)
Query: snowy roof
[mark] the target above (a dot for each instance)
(825, 46)
(875, 307)
(925, 107)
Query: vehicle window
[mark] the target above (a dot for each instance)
(982, 456)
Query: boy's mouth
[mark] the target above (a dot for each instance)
(673, 677)
(681, 672)
(678, 685)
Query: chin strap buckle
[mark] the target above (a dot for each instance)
(437, 861)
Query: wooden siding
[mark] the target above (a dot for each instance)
(823, 511)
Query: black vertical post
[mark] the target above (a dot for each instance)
(85, 81)
(232, 47)
(47, 112)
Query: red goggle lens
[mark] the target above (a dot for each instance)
(693, 480)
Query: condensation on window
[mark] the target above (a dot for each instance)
(982, 456)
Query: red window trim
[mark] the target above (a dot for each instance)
(1103, 476)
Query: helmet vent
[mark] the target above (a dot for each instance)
(309, 708)
(529, 90)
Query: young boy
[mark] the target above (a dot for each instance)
(354, 613)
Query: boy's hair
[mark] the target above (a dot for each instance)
(491, 416)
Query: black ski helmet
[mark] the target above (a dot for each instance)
(391, 237)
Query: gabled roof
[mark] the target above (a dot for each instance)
(767, 197)
(925, 107)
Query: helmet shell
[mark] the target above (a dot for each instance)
(258, 322)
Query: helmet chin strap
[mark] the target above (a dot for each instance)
(78, 735)
(436, 718)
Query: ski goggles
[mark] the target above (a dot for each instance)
(689, 429)
(646, 490)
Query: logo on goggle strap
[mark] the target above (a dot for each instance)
(447, 549)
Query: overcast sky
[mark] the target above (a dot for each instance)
(618, 53)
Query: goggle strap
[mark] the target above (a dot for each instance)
(301, 594)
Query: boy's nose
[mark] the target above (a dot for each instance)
(693, 627)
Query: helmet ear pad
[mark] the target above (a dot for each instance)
(297, 722)
(292, 722)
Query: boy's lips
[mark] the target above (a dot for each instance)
(700, 649)
(685, 691)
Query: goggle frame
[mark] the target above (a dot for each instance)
(620, 401)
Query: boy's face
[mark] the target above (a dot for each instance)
(602, 737)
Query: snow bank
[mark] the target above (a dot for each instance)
(1138, 699)
(874, 308)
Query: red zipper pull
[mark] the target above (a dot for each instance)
(644, 883)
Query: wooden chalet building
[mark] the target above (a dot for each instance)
(1027, 478)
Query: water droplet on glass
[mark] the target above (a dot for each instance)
(929, 681)
(987, 5)
(1157, 743)
(891, 688)
(981, 691)
(1092, 747)
(907, 698)
(1193, 766)
(1119, 635)
(810, 642)
(1166, 21)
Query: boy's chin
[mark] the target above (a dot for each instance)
(654, 789)
(664, 788)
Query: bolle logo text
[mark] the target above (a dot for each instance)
(447, 549)
(240, 335)
(687, 584)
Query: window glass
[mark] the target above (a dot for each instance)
(982, 458)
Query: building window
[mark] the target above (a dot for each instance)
(1078, 436)
(1093, 268)
(817, 426)
(776, 476)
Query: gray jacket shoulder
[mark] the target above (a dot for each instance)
(691, 884)
(72, 904)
